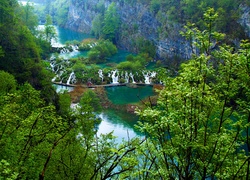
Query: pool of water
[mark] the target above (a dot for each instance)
(65, 35)
(120, 123)
(126, 95)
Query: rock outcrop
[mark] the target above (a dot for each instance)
(137, 21)
(245, 19)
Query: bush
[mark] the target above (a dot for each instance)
(101, 51)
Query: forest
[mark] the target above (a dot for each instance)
(198, 128)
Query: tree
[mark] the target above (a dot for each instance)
(101, 51)
(61, 8)
(90, 99)
(8, 83)
(29, 131)
(1, 52)
(28, 16)
(49, 30)
(196, 131)
(110, 23)
(97, 25)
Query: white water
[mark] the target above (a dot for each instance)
(24, 3)
(115, 77)
(100, 74)
(132, 77)
(126, 77)
(71, 78)
(148, 76)
(60, 88)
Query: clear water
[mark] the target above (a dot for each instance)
(65, 35)
(126, 95)
(120, 123)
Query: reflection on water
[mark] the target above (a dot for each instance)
(121, 123)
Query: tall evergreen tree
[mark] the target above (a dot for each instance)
(110, 23)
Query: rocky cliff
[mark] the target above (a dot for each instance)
(244, 20)
(137, 21)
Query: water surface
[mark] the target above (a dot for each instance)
(120, 123)
(65, 35)
(126, 95)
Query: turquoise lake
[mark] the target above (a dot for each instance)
(126, 95)
(65, 35)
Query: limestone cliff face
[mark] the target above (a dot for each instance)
(245, 18)
(137, 21)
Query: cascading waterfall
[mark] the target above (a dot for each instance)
(100, 74)
(114, 76)
(54, 78)
(132, 77)
(64, 51)
(60, 66)
(147, 76)
(71, 78)
(126, 77)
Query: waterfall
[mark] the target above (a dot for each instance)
(126, 77)
(132, 77)
(114, 77)
(64, 51)
(100, 74)
(71, 78)
(54, 78)
(147, 76)
(52, 65)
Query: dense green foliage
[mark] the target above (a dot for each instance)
(183, 11)
(8, 82)
(101, 51)
(134, 63)
(57, 9)
(38, 143)
(20, 49)
(106, 25)
(26, 13)
(200, 126)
